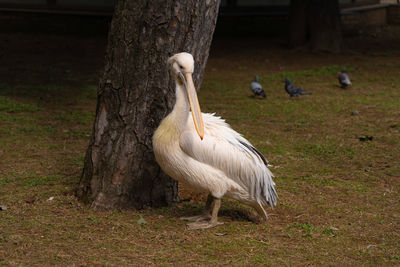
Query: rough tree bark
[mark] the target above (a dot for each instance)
(325, 26)
(135, 93)
(318, 20)
(297, 23)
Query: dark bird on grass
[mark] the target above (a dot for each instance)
(294, 90)
(344, 79)
(256, 87)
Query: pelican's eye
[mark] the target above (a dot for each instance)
(180, 66)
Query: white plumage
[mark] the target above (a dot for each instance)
(220, 162)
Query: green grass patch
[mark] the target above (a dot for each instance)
(6, 180)
(89, 92)
(13, 118)
(323, 151)
(28, 130)
(11, 106)
(315, 180)
(31, 179)
(79, 159)
(77, 116)
(306, 228)
(308, 74)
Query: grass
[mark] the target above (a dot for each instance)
(10, 106)
(309, 74)
(338, 197)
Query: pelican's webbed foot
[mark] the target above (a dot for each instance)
(202, 225)
(213, 221)
(197, 218)
(206, 216)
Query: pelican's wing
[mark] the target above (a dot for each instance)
(226, 150)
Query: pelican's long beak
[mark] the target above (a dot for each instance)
(194, 103)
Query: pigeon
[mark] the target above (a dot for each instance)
(294, 90)
(344, 79)
(256, 87)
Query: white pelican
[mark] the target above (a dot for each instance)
(204, 152)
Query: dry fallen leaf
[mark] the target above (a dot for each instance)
(219, 234)
(141, 221)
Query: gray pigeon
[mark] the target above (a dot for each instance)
(256, 87)
(344, 79)
(294, 90)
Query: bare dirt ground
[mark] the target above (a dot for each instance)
(338, 196)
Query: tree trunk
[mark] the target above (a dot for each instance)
(325, 26)
(135, 94)
(320, 21)
(297, 23)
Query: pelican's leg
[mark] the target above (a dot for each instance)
(216, 204)
(202, 217)
(209, 201)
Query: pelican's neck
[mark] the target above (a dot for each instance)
(181, 109)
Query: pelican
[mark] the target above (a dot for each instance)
(204, 152)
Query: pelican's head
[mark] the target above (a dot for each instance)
(181, 63)
(182, 66)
